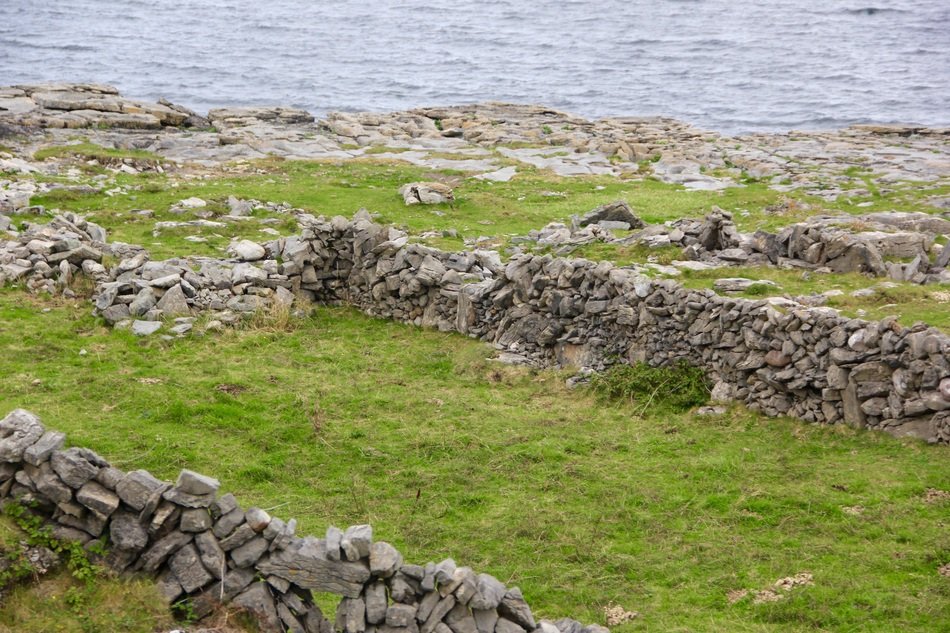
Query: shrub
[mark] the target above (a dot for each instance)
(674, 388)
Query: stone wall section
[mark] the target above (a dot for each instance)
(201, 545)
(777, 356)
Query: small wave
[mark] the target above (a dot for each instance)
(874, 11)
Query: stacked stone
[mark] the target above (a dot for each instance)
(383, 594)
(46, 257)
(204, 547)
(775, 355)
(198, 545)
(774, 358)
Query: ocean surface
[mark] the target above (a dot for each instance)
(721, 64)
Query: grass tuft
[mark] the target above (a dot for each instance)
(674, 389)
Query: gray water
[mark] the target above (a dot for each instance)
(721, 64)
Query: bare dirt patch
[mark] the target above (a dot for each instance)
(616, 614)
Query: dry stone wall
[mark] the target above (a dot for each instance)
(201, 545)
(775, 355)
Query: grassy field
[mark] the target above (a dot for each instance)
(345, 419)
(59, 602)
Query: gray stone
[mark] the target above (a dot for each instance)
(944, 389)
(19, 430)
(211, 554)
(239, 207)
(375, 599)
(98, 498)
(115, 313)
(334, 541)
(460, 620)
(169, 586)
(226, 524)
(514, 608)
(234, 582)
(109, 477)
(176, 495)
(196, 484)
(504, 625)
(404, 588)
(145, 328)
(137, 487)
(249, 553)
(426, 193)
(188, 569)
(384, 560)
(485, 620)
(400, 614)
(618, 211)
(354, 616)
(854, 415)
(427, 604)
(44, 447)
(164, 519)
(74, 466)
(223, 505)
(247, 251)
(126, 531)
(50, 486)
(291, 624)
(195, 520)
(490, 592)
(305, 563)
(257, 519)
(159, 552)
(258, 600)
(238, 537)
(445, 572)
(143, 302)
(173, 303)
(439, 611)
(356, 541)
(465, 583)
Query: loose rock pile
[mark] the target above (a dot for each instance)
(203, 546)
(867, 244)
(46, 257)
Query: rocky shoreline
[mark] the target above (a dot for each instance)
(672, 151)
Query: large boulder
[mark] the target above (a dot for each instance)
(426, 193)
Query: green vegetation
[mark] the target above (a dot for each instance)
(659, 390)
(78, 597)
(85, 151)
(344, 419)
(614, 494)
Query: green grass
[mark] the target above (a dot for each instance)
(60, 602)
(333, 188)
(91, 151)
(341, 419)
(346, 419)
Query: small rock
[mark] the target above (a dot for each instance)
(145, 328)
(247, 251)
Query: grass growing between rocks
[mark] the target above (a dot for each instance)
(494, 210)
(63, 603)
(582, 502)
